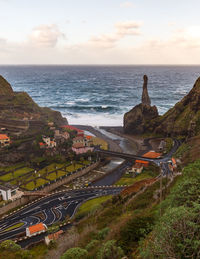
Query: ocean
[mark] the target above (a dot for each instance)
(100, 95)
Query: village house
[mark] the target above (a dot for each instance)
(4, 140)
(59, 134)
(79, 140)
(52, 237)
(80, 133)
(35, 229)
(47, 142)
(137, 168)
(8, 191)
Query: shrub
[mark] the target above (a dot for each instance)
(94, 243)
(9, 245)
(177, 235)
(109, 250)
(102, 233)
(135, 229)
(75, 253)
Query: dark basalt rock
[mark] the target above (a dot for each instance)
(145, 96)
(137, 120)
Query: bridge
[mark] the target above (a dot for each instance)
(126, 155)
(176, 144)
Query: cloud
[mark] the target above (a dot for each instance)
(122, 29)
(128, 28)
(45, 36)
(126, 4)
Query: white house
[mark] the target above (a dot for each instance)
(49, 143)
(4, 140)
(137, 168)
(8, 191)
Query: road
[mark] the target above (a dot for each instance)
(163, 161)
(51, 209)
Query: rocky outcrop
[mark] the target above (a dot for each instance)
(5, 87)
(18, 112)
(137, 120)
(184, 118)
(145, 96)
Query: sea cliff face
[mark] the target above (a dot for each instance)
(18, 112)
(184, 118)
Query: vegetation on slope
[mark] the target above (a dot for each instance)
(177, 233)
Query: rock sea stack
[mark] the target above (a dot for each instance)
(145, 96)
(137, 120)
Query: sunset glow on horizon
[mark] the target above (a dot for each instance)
(99, 32)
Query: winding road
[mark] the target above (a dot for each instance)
(56, 207)
(51, 209)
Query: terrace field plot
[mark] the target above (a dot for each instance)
(32, 185)
(50, 173)
(74, 167)
(55, 175)
(17, 175)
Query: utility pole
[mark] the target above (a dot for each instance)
(161, 188)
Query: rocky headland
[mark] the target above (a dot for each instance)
(20, 114)
(181, 120)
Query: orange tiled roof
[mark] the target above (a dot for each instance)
(72, 128)
(55, 235)
(152, 154)
(36, 228)
(173, 161)
(89, 137)
(141, 162)
(3, 136)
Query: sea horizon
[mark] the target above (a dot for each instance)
(99, 95)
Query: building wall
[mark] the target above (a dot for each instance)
(6, 194)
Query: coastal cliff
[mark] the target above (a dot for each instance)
(18, 112)
(184, 118)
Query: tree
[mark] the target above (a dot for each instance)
(75, 253)
(9, 245)
(110, 250)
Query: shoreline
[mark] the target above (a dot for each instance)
(137, 142)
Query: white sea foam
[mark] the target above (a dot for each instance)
(70, 103)
(95, 119)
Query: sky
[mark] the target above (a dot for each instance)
(99, 32)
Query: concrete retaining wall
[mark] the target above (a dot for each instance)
(24, 200)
